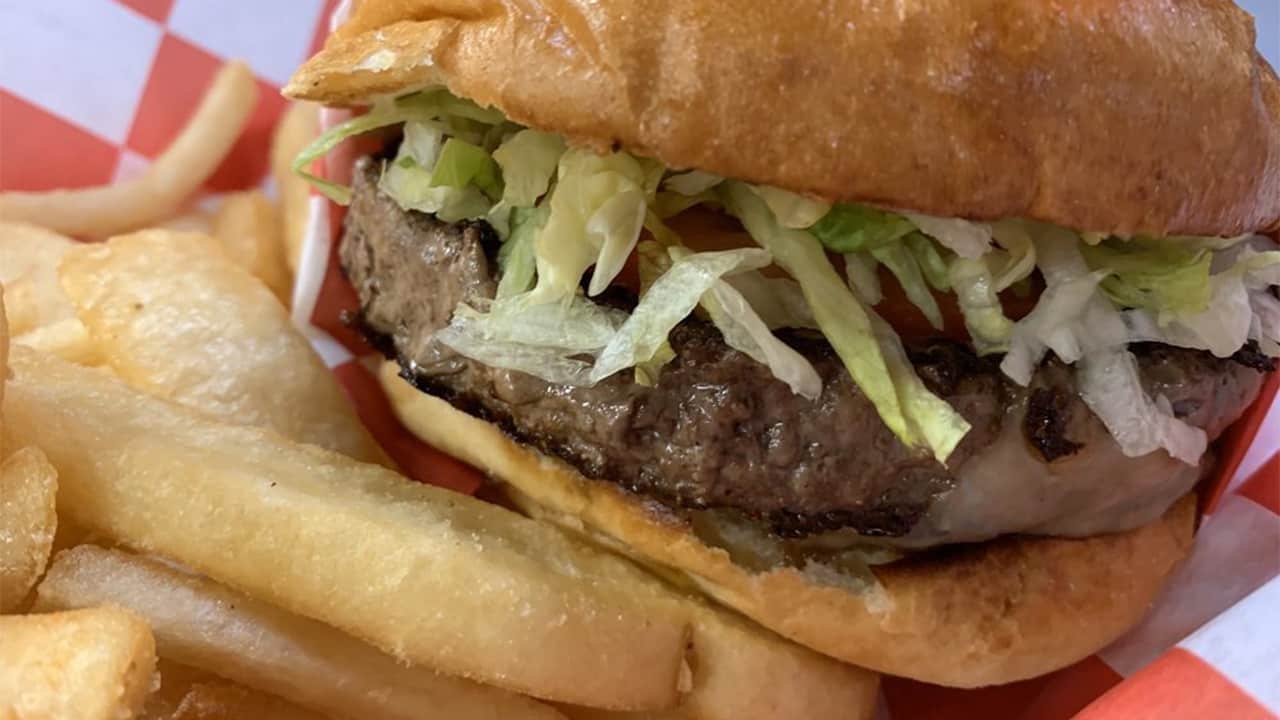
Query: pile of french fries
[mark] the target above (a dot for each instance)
(194, 523)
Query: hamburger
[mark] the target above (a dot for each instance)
(905, 330)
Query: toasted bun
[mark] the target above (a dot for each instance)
(1136, 117)
(978, 615)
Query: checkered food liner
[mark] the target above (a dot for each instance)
(127, 75)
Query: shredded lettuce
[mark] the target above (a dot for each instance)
(671, 298)
(597, 211)
(409, 184)
(854, 228)
(1153, 275)
(931, 261)
(792, 210)
(966, 239)
(691, 183)
(745, 331)
(547, 340)
(864, 280)
(515, 258)
(902, 263)
(1110, 385)
(1070, 316)
(1017, 260)
(983, 315)
(778, 301)
(1094, 336)
(528, 160)
(1230, 318)
(461, 164)
(875, 360)
(458, 114)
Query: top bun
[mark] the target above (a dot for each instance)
(1139, 117)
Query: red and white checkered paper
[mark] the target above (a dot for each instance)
(92, 90)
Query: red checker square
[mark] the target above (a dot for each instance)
(41, 151)
(157, 10)
(1056, 696)
(181, 74)
(1178, 686)
(1263, 487)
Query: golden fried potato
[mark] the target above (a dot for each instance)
(299, 126)
(29, 257)
(68, 339)
(189, 694)
(248, 227)
(173, 316)
(28, 487)
(94, 664)
(174, 176)
(228, 701)
(204, 625)
(740, 671)
(430, 576)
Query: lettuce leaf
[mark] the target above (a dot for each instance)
(744, 330)
(792, 210)
(870, 351)
(975, 290)
(1153, 275)
(864, 280)
(515, 258)
(422, 107)
(855, 228)
(904, 267)
(528, 160)
(691, 183)
(409, 184)
(932, 264)
(461, 164)
(1110, 385)
(1017, 260)
(596, 212)
(671, 298)
(964, 238)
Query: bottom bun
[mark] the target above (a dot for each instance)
(963, 616)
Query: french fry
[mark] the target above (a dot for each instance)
(228, 701)
(95, 664)
(167, 183)
(196, 220)
(191, 694)
(432, 577)
(29, 257)
(28, 487)
(175, 682)
(4, 354)
(204, 625)
(299, 126)
(173, 316)
(68, 339)
(248, 227)
(740, 670)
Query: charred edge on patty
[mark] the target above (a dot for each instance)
(719, 432)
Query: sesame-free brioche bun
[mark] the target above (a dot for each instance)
(1132, 117)
(996, 612)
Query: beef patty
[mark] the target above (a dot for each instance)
(719, 431)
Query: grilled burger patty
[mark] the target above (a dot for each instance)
(720, 432)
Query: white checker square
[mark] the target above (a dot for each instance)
(273, 37)
(1244, 645)
(51, 54)
(131, 165)
(1235, 553)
